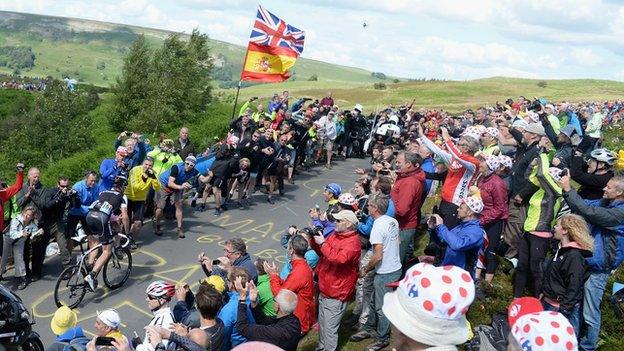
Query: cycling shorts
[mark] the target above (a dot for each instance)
(99, 225)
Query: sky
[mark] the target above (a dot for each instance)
(445, 39)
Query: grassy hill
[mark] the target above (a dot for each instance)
(452, 96)
(92, 51)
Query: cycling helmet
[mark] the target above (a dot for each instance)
(393, 119)
(604, 155)
(160, 289)
(347, 199)
(358, 107)
(121, 179)
(334, 189)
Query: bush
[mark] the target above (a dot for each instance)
(395, 80)
(313, 78)
(542, 84)
(379, 86)
(378, 75)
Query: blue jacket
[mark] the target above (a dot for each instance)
(229, 315)
(137, 156)
(428, 166)
(606, 225)
(464, 242)
(365, 228)
(574, 121)
(182, 177)
(86, 195)
(62, 341)
(108, 172)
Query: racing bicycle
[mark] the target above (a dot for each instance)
(71, 286)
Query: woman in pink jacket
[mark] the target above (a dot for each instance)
(494, 195)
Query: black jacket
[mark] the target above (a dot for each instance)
(592, 185)
(521, 170)
(564, 277)
(54, 204)
(283, 332)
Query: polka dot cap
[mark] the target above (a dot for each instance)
(439, 292)
(544, 331)
(492, 131)
(474, 203)
(492, 162)
(534, 117)
(505, 161)
(555, 173)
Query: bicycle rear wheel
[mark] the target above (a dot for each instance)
(70, 287)
(118, 267)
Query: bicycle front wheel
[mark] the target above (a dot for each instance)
(118, 267)
(70, 287)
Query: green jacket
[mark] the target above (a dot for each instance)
(266, 303)
(545, 202)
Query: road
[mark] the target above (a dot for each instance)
(173, 259)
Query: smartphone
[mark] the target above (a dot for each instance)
(216, 262)
(563, 173)
(104, 341)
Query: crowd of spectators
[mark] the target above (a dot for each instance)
(526, 184)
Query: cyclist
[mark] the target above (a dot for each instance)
(111, 206)
(159, 294)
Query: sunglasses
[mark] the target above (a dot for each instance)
(189, 164)
(151, 298)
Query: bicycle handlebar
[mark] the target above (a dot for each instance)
(124, 237)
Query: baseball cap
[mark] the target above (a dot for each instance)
(430, 304)
(535, 128)
(64, 318)
(333, 188)
(522, 306)
(110, 317)
(474, 203)
(346, 215)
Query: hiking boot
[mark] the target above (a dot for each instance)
(181, 233)
(157, 230)
(91, 281)
(377, 345)
(361, 335)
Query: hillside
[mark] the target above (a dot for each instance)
(92, 51)
(453, 96)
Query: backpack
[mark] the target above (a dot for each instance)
(77, 344)
(491, 338)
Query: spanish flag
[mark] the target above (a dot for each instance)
(273, 48)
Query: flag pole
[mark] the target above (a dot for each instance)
(236, 99)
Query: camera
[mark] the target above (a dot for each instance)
(128, 133)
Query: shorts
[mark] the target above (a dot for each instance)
(99, 225)
(328, 144)
(136, 210)
(163, 195)
(219, 182)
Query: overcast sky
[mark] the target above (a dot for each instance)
(451, 39)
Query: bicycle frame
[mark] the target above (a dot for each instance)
(85, 254)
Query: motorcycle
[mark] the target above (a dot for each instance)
(16, 331)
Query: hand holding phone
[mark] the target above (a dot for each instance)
(104, 341)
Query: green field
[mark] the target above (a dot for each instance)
(75, 47)
(453, 96)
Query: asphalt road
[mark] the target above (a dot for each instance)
(173, 259)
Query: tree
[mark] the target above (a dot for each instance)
(313, 78)
(62, 128)
(132, 91)
(172, 87)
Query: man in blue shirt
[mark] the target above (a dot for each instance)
(173, 183)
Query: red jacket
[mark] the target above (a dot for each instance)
(301, 282)
(337, 268)
(5, 195)
(494, 195)
(407, 195)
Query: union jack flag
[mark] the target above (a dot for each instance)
(270, 30)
